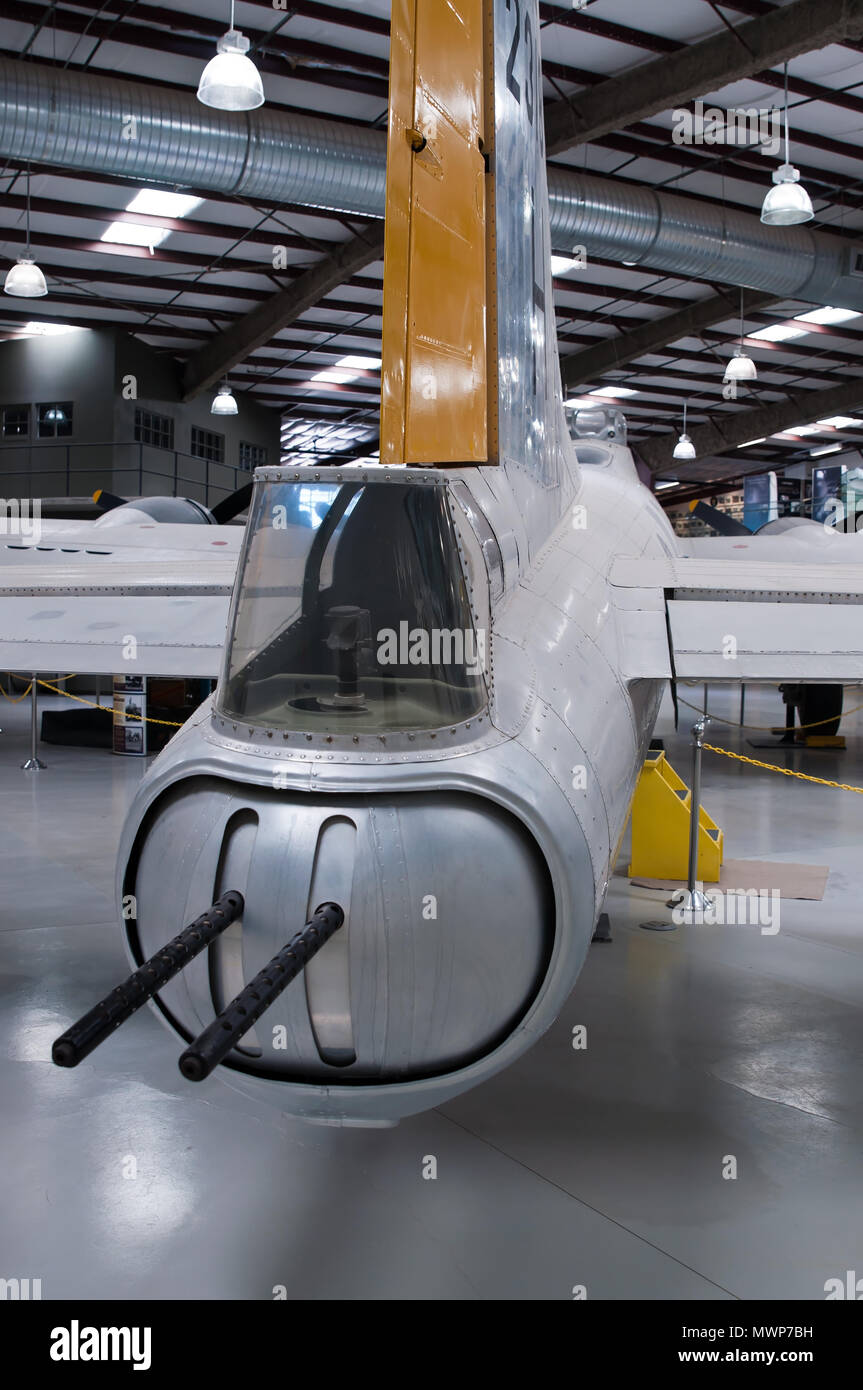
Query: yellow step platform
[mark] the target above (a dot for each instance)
(660, 827)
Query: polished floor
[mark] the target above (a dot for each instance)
(600, 1168)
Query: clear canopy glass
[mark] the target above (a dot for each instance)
(353, 613)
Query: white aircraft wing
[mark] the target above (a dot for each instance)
(150, 599)
(740, 619)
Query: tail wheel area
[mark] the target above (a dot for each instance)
(821, 702)
(819, 707)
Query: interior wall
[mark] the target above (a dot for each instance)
(92, 370)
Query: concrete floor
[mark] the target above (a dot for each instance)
(601, 1168)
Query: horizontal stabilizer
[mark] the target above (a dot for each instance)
(152, 600)
(172, 636)
(739, 619)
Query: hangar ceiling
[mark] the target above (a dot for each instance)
(611, 86)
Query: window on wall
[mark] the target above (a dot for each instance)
(206, 445)
(54, 419)
(157, 430)
(16, 421)
(252, 455)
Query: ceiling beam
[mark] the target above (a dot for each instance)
(224, 351)
(235, 233)
(730, 430)
(655, 335)
(676, 78)
(13, 319)
(193, 36)
(746, 166)
(333, 14)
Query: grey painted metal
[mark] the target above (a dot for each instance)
(78, 122)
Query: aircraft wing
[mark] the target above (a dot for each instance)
(149, 600)
(725, 618)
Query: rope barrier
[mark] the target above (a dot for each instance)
(784, 771)
(765, 728)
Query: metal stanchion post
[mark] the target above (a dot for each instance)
(33, 763)
(742, 701)
(694, 900)
(693, 903)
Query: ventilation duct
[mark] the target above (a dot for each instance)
(153, 135)
(664, 231)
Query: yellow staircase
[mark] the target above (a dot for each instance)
(660, 827)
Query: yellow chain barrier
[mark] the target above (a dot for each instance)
(784, 771)
(109, 709)
(16, 699)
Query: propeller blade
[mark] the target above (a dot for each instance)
(107, 501)
(720, 522)
(229, 507)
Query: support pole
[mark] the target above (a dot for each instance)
(33, 763)
(698, 730)
(694, 901)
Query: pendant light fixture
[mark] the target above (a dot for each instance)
(741, 367)
(25, 280)
(230, 81)
(684, 449)
(787, 203)
(224, 402)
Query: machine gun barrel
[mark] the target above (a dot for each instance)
(236, 1018)
(91, 1030)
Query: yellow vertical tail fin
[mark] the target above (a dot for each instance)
(439, 397)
